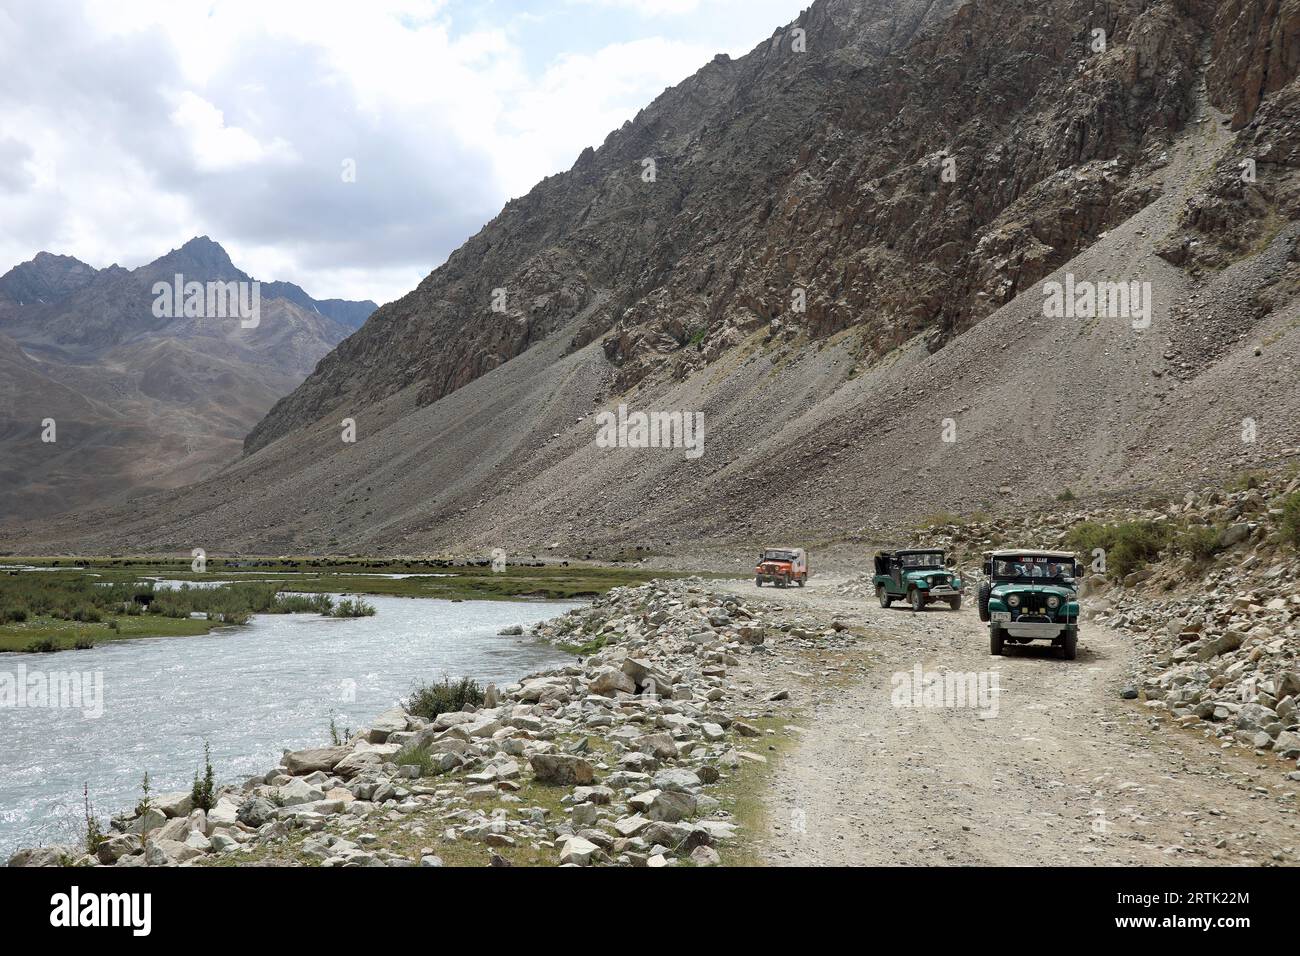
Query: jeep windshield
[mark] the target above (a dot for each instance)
(925, 559)
(1033, 568)
(778, 556)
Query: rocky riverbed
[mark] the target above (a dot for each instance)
(624, 757)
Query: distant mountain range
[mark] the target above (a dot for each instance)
(140, 401)
(835, 249)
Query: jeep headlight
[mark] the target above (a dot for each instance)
(1013, 600)
(1053, 601)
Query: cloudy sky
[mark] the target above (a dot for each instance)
(130, 126)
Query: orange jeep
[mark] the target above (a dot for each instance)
(781, 566)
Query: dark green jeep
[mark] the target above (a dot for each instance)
(1031, 596)
(919, 576)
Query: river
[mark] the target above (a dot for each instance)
(249, 691)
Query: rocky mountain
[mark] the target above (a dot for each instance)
(351, 314)
(138, 400)
(837, 249)
(44, 279)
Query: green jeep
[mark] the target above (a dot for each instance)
(1031, 596)
(919, 576)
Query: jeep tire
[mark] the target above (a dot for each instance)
(758, 582)
(985, 588)
(882, 595)
(802, 580)
(1070, 643)
(917, 598)
(955, 603)
(995, 641)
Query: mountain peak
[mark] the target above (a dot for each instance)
(201, 257)
(45, 278)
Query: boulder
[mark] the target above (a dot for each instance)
(147, 822)
(1287, 744)
(705, 856)
(659, 746)
(43, 856)
(561, 769)
(297, 791)
(578, 851)
(301, 762)
(175, 829)
(114, 848)
(597, 795)
(256, 811)
(670, 806)
(225, 813)
(630, 826)
(677, 778)
(609, 682)
(169, 853)
(173, 804)
(389, 722)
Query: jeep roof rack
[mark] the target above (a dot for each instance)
(1030, 553)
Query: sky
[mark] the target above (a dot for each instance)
(346, 146)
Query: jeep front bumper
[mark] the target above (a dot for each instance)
(1032, 630)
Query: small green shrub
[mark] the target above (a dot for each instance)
(1129, 546)
(1202, 543)
(204, 791)
(1290, 525)
(44, 646)
(303, 604)
(412, 756)
(94, 829)
(1247, 481)
(444, 697)
(143, 807)
(337, 737)
(354, 607)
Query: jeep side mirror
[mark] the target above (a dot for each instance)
(950, 562)
(988, 569)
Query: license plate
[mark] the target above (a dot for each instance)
(1000, 616)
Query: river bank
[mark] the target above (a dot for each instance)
(63, 604)
(642, 753)
(246, 692)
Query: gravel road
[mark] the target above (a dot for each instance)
(1065, 773)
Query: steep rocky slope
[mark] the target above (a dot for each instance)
(139, 401)
(915, 177)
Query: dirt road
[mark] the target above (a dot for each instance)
(1060, 771)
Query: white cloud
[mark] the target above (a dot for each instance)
(216, 146)
(130, 128)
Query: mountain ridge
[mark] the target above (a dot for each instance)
(159, 400)
(924, 304)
